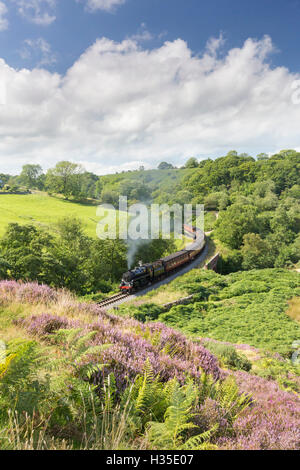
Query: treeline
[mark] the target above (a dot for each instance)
(208, 181)
(259, 207)
(66, 178)
(68, 258)
(257, 198)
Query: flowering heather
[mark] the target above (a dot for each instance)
(170, 353)
(211, 413)
(45, 324)
(272, 423)
(31, 292)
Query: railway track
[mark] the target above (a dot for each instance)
(113, 299)
(121, 297)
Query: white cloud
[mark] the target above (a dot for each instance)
(120, 105)
(142, 34)
(106, 5)
(3, 19)
(40, 12)
(214, 44)
(38, 49)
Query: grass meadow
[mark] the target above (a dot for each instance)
(43, 210)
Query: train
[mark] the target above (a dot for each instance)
(149, 273)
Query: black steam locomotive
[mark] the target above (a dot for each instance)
(146, 274)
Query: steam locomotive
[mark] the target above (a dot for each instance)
(148, 273)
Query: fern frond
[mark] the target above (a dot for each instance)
(196, 442)
(144, 391)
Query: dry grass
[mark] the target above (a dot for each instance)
(161, 297)
(294, 309)
(65, 306)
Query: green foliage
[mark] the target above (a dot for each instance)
(179, 429)
(256, 252)
(177, 419)
(234, 223)
(283, 371)
(143, 313)
(244, 307)
(21, 390)
(31, 176)
(77, 351)
(259, 207)
(192, 163)
(228, 356)
(165, 166)
(64, 179)
(27, 254)
(68, 258)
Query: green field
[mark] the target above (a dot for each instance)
(43, 210)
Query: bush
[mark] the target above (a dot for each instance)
(229, 356)
(245, 307)
(143, 313)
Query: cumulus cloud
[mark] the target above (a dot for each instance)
(39, 50)
(3, 19)
(40, 12)
(121, 105)
(106, 5)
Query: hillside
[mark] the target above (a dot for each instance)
(159, 183)
(76, 377)
(45, 211)
(219, 371)
(245, 307)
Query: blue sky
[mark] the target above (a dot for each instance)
(181, 77)
(75, 27)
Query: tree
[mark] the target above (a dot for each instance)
(165, 166)
(88, 182)
(65, 179)
(27, 254)
(72, 250)
(235, 222)
(30, 175)
(262, 156)
(108, 261)
(232, 153)
(256, 252)
(109, 196)
(4, 179)
(215, 201)
(192, 163)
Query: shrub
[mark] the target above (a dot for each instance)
(228, 356)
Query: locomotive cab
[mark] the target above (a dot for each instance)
(136, 278)
(127, 282)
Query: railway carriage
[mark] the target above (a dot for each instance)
(175, 260)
